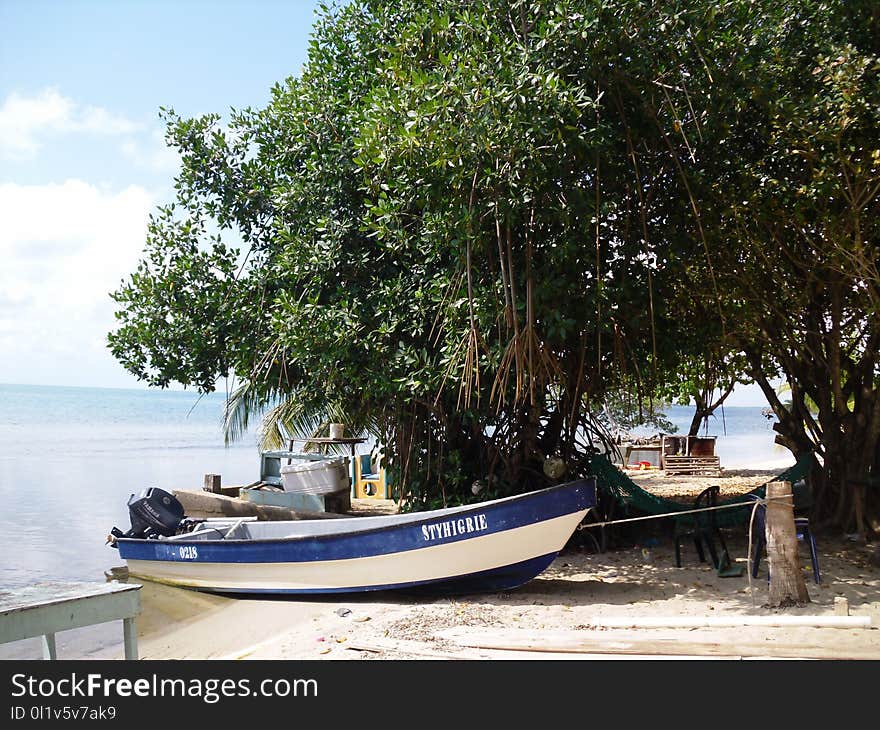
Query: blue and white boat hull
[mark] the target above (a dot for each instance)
(491, 546)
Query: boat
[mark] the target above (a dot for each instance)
(491, 546)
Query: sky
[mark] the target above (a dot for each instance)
(83, 161)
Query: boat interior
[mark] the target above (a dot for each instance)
(250, 528)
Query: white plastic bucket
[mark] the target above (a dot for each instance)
(337, 430)
(315, 477)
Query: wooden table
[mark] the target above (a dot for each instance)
(47, 608)
(325, 441)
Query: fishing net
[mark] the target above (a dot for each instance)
(613, 484)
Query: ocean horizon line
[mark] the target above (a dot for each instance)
(118, 388)
(183, 390)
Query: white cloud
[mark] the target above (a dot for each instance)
(64, 248)
(25, 122)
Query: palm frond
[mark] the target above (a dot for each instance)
(241, 407)
(293, 416)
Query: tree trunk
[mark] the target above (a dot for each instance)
(701, 411)
(787, 584)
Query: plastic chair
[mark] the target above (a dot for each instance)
(804, 534)
(369, 479)
(701, 527)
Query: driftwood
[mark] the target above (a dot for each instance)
(413, 648)
(427, 650)
(200, 504)
(647, 643)
(838, 621)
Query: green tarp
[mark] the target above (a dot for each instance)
(613, 483)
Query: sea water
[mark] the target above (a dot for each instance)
(71, 457)
(69, 460)
(744, 436)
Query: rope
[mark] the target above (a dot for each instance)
(758, 501)
(749, 563)
(677, 513)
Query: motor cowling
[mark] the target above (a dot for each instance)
(153, 513)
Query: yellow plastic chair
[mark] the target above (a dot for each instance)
(370, 481)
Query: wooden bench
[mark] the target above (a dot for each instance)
(47, 608)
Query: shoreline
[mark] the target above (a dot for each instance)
(563, 608)
(574, 599)
(581, 588)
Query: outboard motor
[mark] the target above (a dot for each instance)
(153, 512)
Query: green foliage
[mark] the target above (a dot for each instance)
(180, 314)
(465, 223)
(795, 183)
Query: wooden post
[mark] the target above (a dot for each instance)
(212, 483)
(787, 584)
(49, 650)
(129, 634)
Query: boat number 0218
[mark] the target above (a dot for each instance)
(188, 552)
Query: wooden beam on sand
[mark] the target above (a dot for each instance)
(411, 648)
(628, 642)
(397, 648)
(688, 622)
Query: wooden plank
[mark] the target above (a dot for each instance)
(427, 650)
(720, 622)
(15, 599)
(614, 642)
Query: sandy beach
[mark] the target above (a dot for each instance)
(564, 608)
(588, 604)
